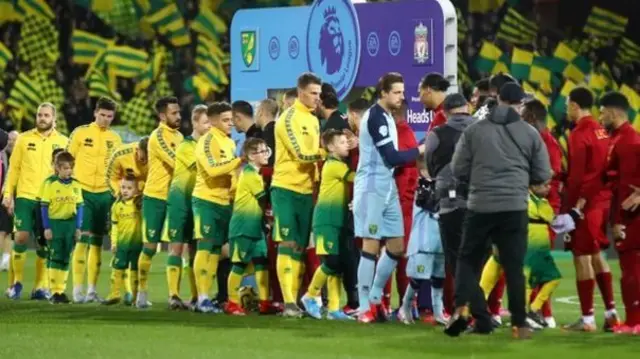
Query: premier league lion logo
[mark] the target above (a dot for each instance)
(331, 42)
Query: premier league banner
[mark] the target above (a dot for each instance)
(349, 46)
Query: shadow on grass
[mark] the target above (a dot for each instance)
(389, 336)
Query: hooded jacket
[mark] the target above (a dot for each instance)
(444, 177)
(500, 158)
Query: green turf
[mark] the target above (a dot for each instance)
(29, 329)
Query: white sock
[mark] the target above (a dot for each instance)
(610, 313)
(92, 289)
(202, 298)
(5, 258)
(407, 300)
(588, 319)
(436, 302)
(77, 290)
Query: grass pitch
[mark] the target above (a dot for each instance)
(38, 329)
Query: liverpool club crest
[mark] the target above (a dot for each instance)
(421, 44)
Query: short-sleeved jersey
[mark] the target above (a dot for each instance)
(126, 222)
(297, 138)
(333, 198)
(216, 165)
(123, 162)
(62, 197)
(377, 129)
(184, 175)
(163, 143)
(30, 163)
(540, 217)
(92, 146)
(246, 219)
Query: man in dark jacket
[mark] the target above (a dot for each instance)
(440, 146)
(500, 158)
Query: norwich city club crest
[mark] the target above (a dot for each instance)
(249, 45)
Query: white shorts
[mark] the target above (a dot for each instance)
(425, 266)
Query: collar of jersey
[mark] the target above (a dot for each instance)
(95, 125)
(216, 132)
(585, 122)
(300, 106)
(165, 127)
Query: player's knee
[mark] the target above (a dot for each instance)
(333, 264)
(437, 283)
(370, 256)
(396, 256)
(415, 283)
(239, 268)
(175, 249)
(21, 237)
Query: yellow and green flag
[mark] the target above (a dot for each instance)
(634, 104)
(628, 52)
(209, 59)
(86, 46)
(38, 44)
(517, 29)
(169, 22)
(152, 71)
(38, 8)
(8, 12)
(209, 24)
(605, 23)
(491, 59)
(5, 56)
(25, 96)
(125, 61)
(568, 63)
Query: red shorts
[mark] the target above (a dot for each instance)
(590, 236)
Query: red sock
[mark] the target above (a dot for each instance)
(546, 309)
(401, 277)
(585, 293)
(449, 293)
(272, 254)
(605, 284)
(386, 297)
(534, 294)
(495, 298)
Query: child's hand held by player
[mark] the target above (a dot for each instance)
(48, 235)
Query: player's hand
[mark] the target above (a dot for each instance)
(352, 139)
(425, 173)
(77, 235)
(618, 232)
(48, 235)
(351, 206)
(7, 202)
(422, 148)
(581, 203)
(632, 202)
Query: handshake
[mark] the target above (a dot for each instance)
(565, 223)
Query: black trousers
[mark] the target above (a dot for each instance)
(351, 259)
(508, 231)
(451, 235)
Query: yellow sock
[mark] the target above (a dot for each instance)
(213, 269)
(544, 294)
(193, 287)
(201, 269)
(174, 264)
(262, 280)
(19, 260)
(79, 264)
(490, 276)
(10, 275)
(317, 282)
(297, 274)
(57, 282)
(285, 277)
(41, 271)
(66, 278)
(133, 283)
(144, 266)
(93, 265)
(117, 280)
(233, 284)
(334, 288)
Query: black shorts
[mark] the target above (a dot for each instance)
(6, 221)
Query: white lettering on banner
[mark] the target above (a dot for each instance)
(414, 117)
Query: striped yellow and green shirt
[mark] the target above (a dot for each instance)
(184, 175)
(246, 219)
(126, 222)
(333, 198)
(163, 142)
